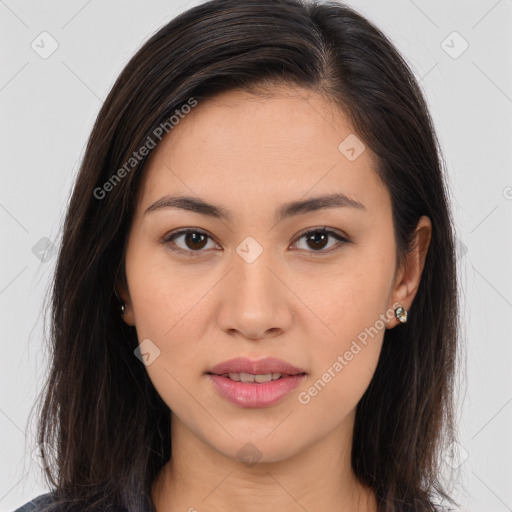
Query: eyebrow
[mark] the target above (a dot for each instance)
(291, 209)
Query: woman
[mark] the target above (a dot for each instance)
(255, 303)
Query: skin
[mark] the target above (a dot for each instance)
(251, 154)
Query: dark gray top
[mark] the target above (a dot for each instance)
(39, 503)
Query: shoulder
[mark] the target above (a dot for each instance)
(37, 504)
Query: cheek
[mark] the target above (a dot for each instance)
(165, 297)
(348, 296)
(349, 328)
(344, 361)
(164, 312)
(166, 303)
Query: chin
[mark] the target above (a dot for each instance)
(258, 449)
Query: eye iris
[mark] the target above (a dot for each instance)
(314, 236)
(194, 236)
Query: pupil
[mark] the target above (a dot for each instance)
(314, 237)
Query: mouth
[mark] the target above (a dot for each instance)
(252, 384)
(258, 378)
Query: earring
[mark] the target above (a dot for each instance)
(123, 307)
(401, 314)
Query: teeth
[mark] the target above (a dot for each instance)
(263, 378)
(248, 377)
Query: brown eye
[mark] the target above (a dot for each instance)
(318, 239)
(193, 240)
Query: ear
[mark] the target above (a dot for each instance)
(408, 276)
(122, 291)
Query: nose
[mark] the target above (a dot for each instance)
(256, 302)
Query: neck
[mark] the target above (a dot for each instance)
(320, 477)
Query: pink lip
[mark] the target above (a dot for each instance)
(253, 394)
(260, 367)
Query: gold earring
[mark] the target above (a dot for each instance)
(401, 314)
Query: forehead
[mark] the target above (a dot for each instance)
(280, 144)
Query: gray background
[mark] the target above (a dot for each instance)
(48, 106)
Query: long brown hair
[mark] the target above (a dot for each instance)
(103, 429)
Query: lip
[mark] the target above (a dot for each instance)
(259, 367)
(253, 394)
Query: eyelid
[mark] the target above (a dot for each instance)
(324, 229)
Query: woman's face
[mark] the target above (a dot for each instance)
(247, 282)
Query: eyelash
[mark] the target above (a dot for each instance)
(169, 240)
